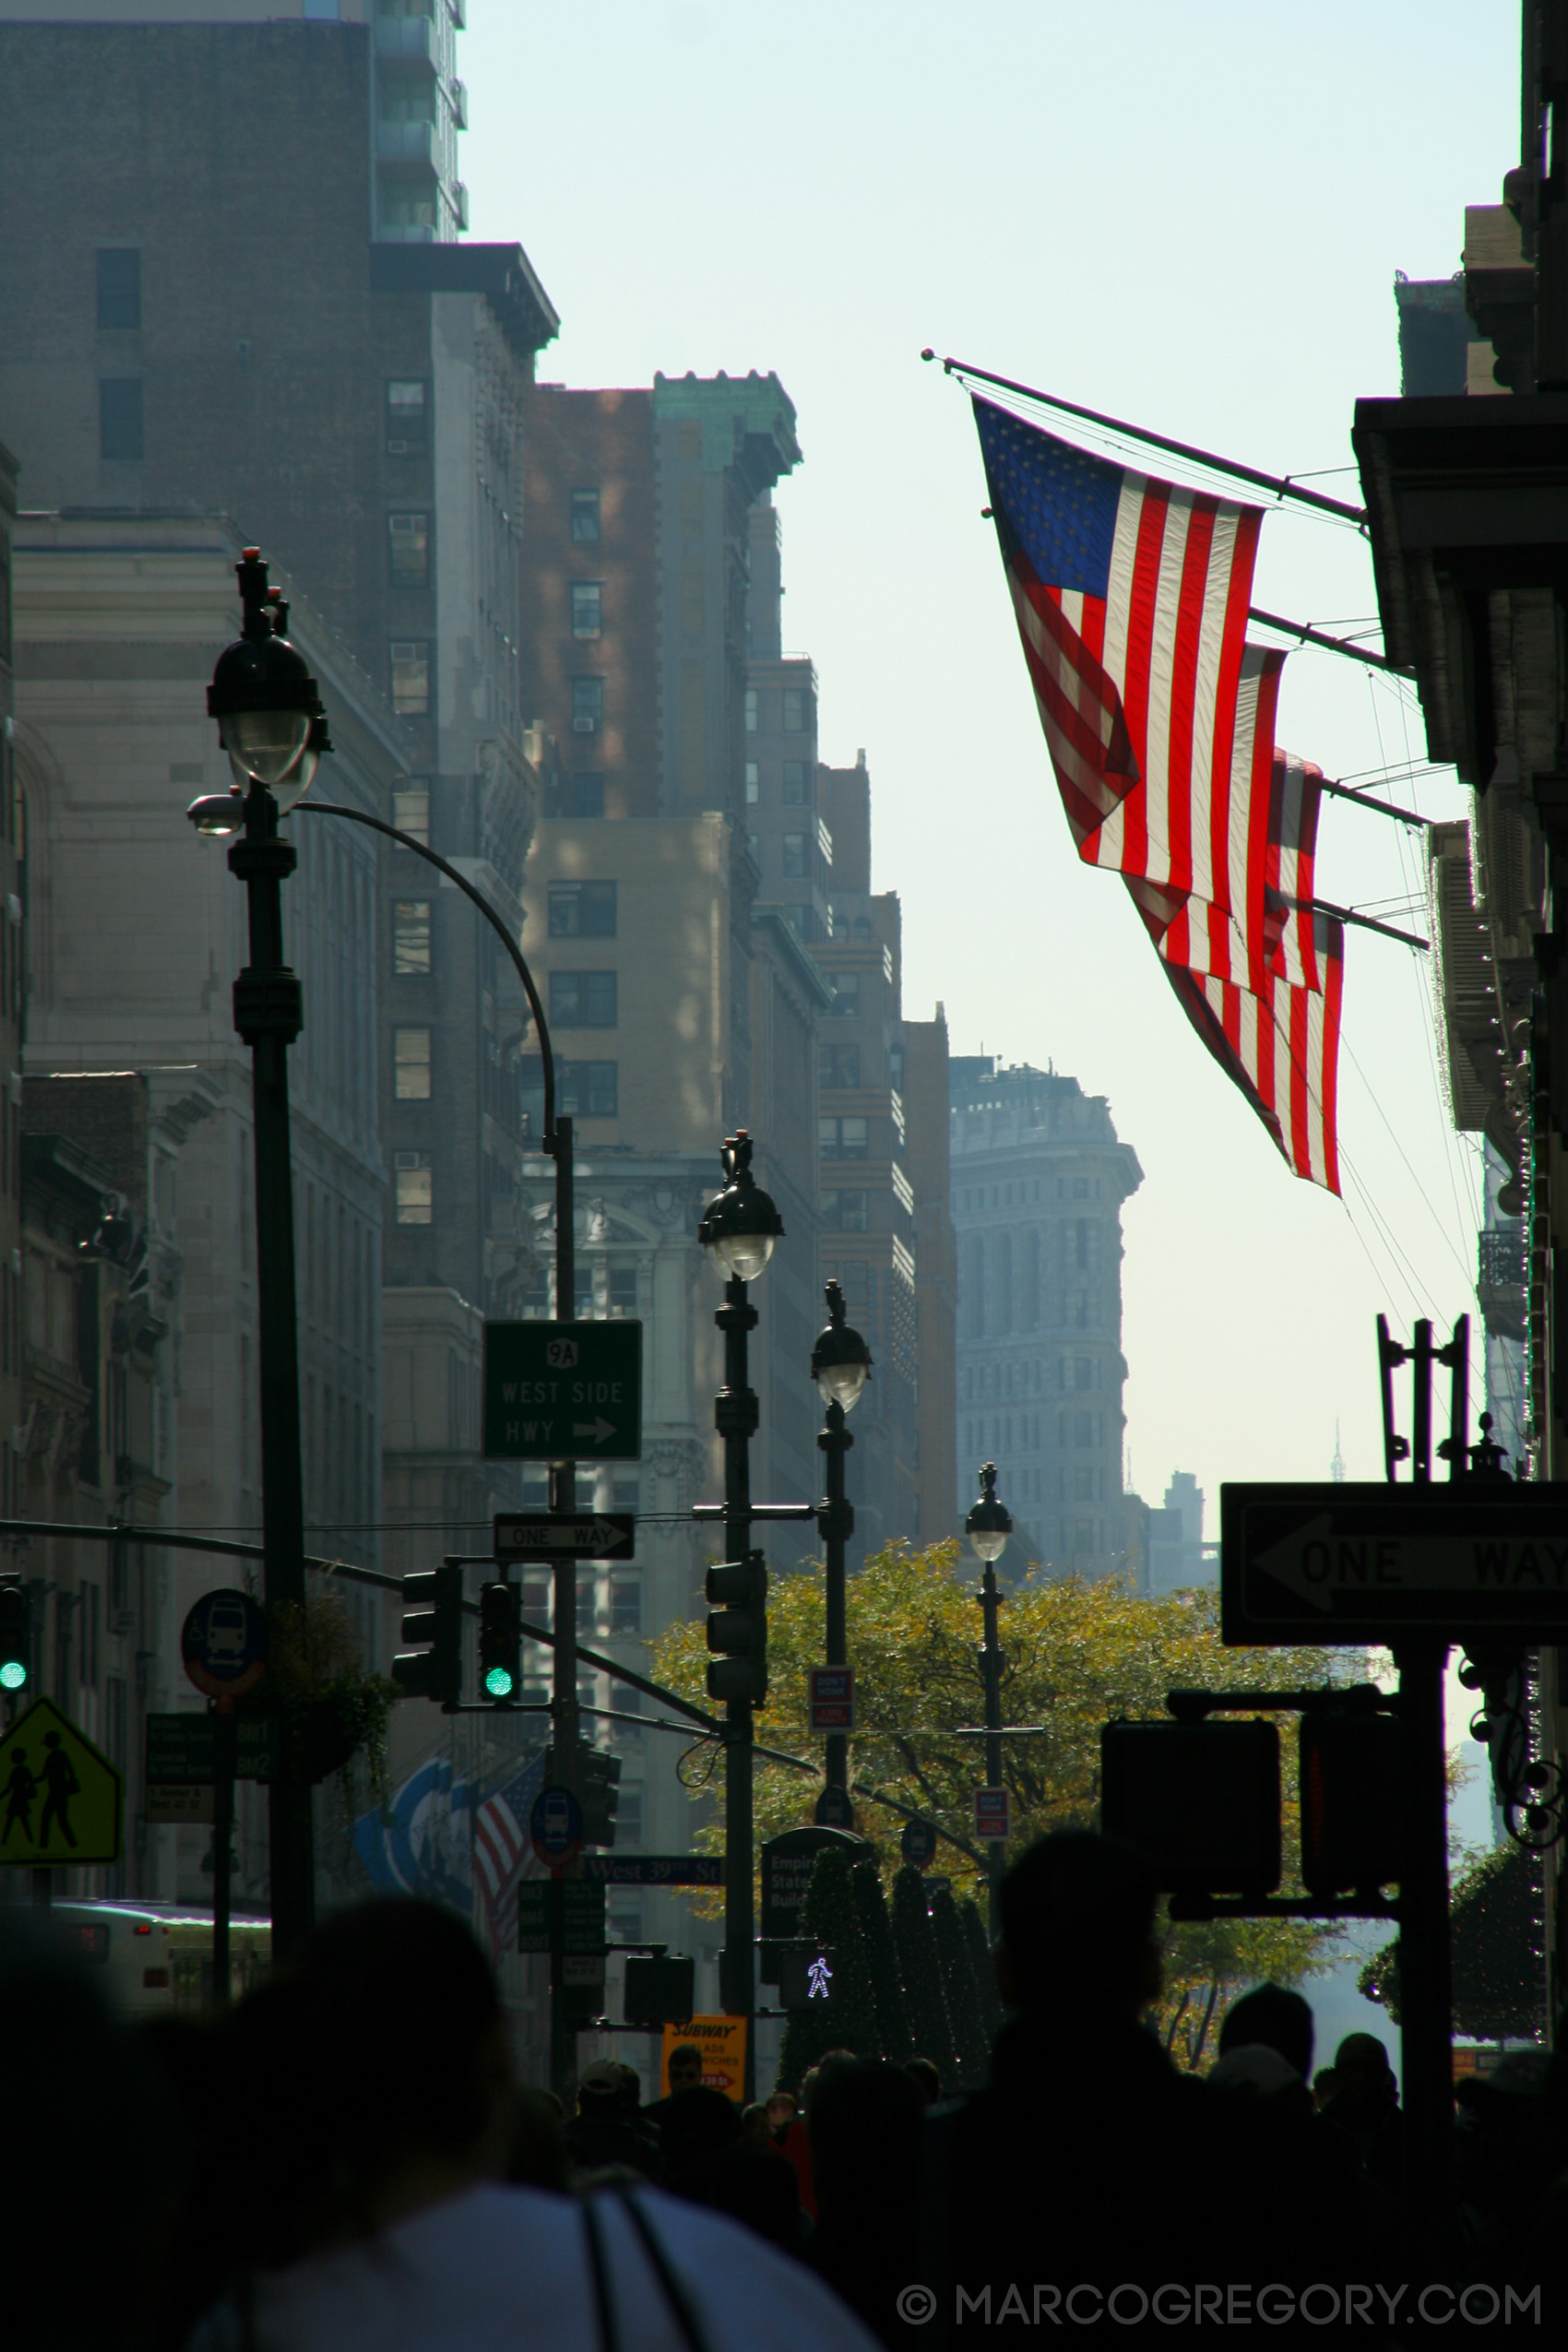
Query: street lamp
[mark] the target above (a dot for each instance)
(840, 1367)
(740, 1230)
(988, 1527)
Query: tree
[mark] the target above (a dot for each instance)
(848, 2021)
(960, 1992)
(983, 1963)
(1077, 1655)
(887, 1985)
(915, 1940)
(1497, 1930)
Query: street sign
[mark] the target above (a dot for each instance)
(918, 1843)
(655, 1869)
(835, 1808)
(224, 1643)
(566, 1535)
(563, 1392)
(1381, 1564)
(990, 1814)
(582, 1916)
(556, 1827)
(786, 1863)
(59, 1798)
(722, 2041)
(179, 1749)
(832, 1698)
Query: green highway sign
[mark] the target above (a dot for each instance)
(583, 1923)
(179, 1749)
(563, 1392)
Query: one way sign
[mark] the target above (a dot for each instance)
(1460, 1561)
(567, 1535)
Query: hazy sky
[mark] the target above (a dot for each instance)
(1190, 217)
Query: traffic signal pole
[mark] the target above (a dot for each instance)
(566, 1729)
(836, 1523)
(735, 1417)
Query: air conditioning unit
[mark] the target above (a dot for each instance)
(582, 727)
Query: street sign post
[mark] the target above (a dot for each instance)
(991, 1814)
(223, 1644)
(918, 1843)
(60, 1799)
(582, 1916)
(832, 1698)
(655, 1869)
(836, 1807)
(556, 1827)
(179, 1749)
(565, 1535)
(559, 1391)
(1483, 1561)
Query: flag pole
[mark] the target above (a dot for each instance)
(1362, 922)
(1281, 484)
(1378, 808)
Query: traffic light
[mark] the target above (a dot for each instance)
(599, 1793)
(738, 1633)
(500, 1640)
(660, 1991)
(436, 1672)
(1201, 1801)
(1352, 1814)
(16, 1634)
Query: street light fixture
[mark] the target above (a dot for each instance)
(840, 1367)
(990, 1522)
(739, 1231)
(270, 720)
(988, 1527)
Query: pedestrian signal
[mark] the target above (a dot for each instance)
(500, 1639)
(1352, 1816)
(598, 1792)
(1200, 1801)
(737, 1631)
(435, 1672)
(16, 1634)
(660, 1991)
(807, 1975)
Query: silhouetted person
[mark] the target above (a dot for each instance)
(865, 2122)
(926, 2078)
(603, 2131)
(60, 1785)
(685, 2072)
(1271, 2017)
(18, 1792)
(1365, 2108)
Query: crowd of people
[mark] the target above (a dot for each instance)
(346, 2163)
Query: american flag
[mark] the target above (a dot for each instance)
(503, 1854)
(1281, 1047)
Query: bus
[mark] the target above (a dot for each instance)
(157, 1957)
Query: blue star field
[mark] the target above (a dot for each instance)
(1060, 502)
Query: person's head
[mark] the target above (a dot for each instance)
(1077, 1929)
(1275, 2017)
(685, 2067)
(536, 2157)
(755, 2125)
(1361, 2067)
(926, 2078)
(1326, 2081)
(825, 2065)
(700, 2126)
(781, 2109)
(631, 2088)
(601, 2089)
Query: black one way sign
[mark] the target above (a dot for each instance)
(1458, 1560)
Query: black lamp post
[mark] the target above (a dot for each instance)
(271, 724)
(840, 1367)
(740, 1230)
(988, 1527)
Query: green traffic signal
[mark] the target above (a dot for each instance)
(13, 1674)
(16, 1634)
(500, 1638)
(498, 1681)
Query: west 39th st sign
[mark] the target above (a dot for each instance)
(556, 1392)
(1381, 1564)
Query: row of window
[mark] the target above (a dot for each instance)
(797, 773)
(577, 911)
(795, 711)
(1075, 1429)
(1002, 1196)
(838, 1066)
(619, 1294)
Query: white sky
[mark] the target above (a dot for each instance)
(1190, 217)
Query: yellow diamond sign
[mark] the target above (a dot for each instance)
(59, 1799)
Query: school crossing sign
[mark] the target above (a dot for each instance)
(563, 1392)
(59, 1798)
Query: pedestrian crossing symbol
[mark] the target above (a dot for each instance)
(59, 1799)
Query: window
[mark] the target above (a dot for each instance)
(1083, 1486)
(412, 1187)
(797, 711)
(582, 1000)
(751, 710)
(585, 517)
(582, 910)
(410, 936)
(588, 706)
(1083, 1372)
(841, 1138)
(795, 793)
(407, 550)
(795, 854)
(623, 1302)
(838, 1066)
(846, 1004)
(119, 287)
(626, 1493)
(410, 811)
(1080, 1188)
(754, 783)
(411, 679)
(587, 607)
(411, 1066)
(626, 1606)
(1083, 1429)
(582, 1286)
(408, 417)
(844, 1212)
(587, 1089)
(119, 417)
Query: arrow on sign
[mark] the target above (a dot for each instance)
(599, 1429)
(1317, 1565)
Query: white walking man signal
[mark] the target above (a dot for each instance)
(819, 1977)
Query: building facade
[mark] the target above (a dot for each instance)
(1039, 1178)
(11, 975)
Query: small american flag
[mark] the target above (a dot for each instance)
(503, 1854)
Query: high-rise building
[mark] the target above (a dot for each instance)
(1039, 1178)
(10, 1019)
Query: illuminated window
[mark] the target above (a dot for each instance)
(414, 1191)
(587, 607)
(411, 679)
(410, 936)
(411, 810)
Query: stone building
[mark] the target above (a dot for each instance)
(1039, 1178)
(10, 1020)
(134, 931)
